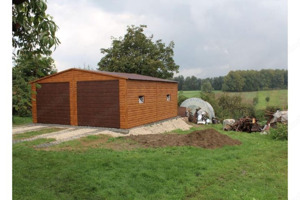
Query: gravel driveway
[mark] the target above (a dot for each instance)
(74, 132)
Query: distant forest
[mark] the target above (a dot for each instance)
(238, 81)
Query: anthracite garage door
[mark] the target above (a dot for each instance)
(98, 103)
(53, 103)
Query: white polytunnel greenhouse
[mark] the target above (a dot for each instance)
(195, 103)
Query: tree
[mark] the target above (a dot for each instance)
(206, 86)
(28, 68)
(137, 53)
(217, 82)
(233, 81)
(33, 31)
(180, 80)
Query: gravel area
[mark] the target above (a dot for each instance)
(23, 129)
(74, 132)
(162, 127)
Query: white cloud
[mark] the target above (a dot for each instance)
(208, 35)
(194, 71)
(83, 30)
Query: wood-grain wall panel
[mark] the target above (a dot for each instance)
(156, 107)
(131, 112)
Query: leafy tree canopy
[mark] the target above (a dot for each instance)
(206, 86)
(137, 53)
(28, 68)
(33, 31)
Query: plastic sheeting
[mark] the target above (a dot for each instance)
(194, 103)
(282, 116)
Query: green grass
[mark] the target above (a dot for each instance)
(257, 169)
(278, 98)
(21, 120)
(35, 133)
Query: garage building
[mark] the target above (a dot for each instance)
(103, 99)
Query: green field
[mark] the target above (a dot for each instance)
(278, 98)
(257, 169)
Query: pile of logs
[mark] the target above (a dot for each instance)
(246, 124)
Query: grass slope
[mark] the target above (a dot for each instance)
(277, 97)
(257, 169)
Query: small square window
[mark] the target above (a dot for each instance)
(168, 97)
(141, 99)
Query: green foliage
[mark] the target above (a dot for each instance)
(271, 109)
(233, 82)
(230, 172)
(280, 132)
(191, 83)
(28, 68)
(236, 81)
(260, 116)
(33, 29)
(21, 120)
(206, 87)
(180, 80)
(278, 98)
(211, 98)
(255, 101)
(181, 98)
(137, 53)
(267, 99)
(251, 80)
(232, 107)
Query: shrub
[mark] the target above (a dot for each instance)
(181, 98)
(255, 101)
(206, 87)
(279, 133)
(260, 115)
(267, 99)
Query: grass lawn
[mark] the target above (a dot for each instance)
(21, 120)
(257, 169)
(278, 98)
(35, 133)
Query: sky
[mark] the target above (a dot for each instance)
(211, 37)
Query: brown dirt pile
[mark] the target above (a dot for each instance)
(208, 138)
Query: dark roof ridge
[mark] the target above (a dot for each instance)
(130, 76)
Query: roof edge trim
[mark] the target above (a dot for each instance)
(76, 69)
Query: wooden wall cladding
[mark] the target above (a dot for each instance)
(98, 103)
(53, 103)
(72, 77)
(156, 107)
(131, 113)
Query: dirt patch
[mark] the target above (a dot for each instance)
(99, 141)
(208, 138)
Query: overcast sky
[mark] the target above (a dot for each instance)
(211, 37)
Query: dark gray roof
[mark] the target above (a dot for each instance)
(136, 76)
(114, 74)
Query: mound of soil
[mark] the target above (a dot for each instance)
(209, 138)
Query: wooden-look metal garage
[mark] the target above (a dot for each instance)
(103, 99)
